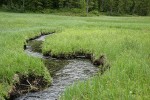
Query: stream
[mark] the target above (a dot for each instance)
(63, 72)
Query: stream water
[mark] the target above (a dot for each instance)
(64, 72)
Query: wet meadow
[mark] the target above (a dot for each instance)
(125, 41)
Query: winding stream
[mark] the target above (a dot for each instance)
(64, 72)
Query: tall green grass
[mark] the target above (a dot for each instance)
(127, 47)
(124, 40)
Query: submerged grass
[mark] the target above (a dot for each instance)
(124, 40)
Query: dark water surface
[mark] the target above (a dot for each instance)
(64, 72)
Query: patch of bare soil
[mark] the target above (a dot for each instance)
(25, 84)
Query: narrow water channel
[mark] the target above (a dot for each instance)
(64, 72)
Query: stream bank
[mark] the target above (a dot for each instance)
(63, 72)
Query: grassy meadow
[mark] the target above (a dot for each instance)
(124, 40)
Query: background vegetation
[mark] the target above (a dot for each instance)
(110, 7)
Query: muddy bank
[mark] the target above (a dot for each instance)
(25, 84)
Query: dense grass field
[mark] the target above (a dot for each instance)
(124, 40)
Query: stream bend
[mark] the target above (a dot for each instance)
(65, 72)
